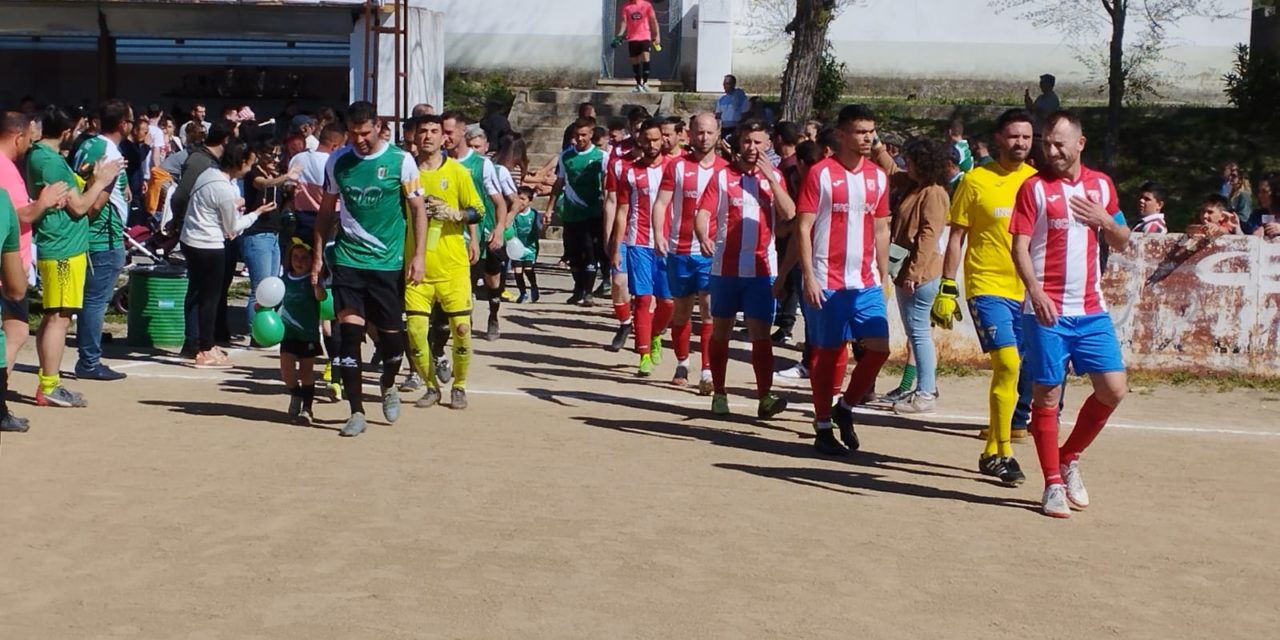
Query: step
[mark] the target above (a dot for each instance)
(569, 110)
(574, 97)
(629, 83)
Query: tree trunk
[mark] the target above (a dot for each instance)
(808, 40)
(1115, 86)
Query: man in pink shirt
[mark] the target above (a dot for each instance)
(16, 130)
(638, 23)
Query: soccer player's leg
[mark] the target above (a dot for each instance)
(455, 299)
(577, 253)
(726, 302)
(664, 307)
(1095, 352)
(641, 269)
(385, 300)
(63, 297)
(418, 302)
(621, 294)
(758, 307)
(997, 321)
(495, 266)
(828, 328)
(869, 324)
(1047, 353)
(682, 282)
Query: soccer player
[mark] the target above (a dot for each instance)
(639, 25)
(447, 281)
(618, 163)
(485, 178)
(62, 234)
(674, 139)
(373, 179)
(748, 200)
(1058, 219)
(580, 178)
(15, 294)
(980, 210)
(843, 238)
(688, 270)
(633, 234)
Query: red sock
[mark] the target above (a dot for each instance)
(1093, 416)
(680, 335)
(864, 376)
(704, 335)
(1044, 428)
(622, 312)
(644, 323)
(822, 377)
(718, 352)
(842, 364)
(662, 315)
(762, 362)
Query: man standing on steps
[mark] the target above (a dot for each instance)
(638, 23)
(62, 234)
(733, 105)
(688, 271)
(374, 179)
(579, 176)
(106, 241)
(485, 177)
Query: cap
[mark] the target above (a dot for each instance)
(300, 120)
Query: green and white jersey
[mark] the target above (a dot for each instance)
(373, 189)
(300, 310)
(58, 234)
(525, 227)
(106, 231)
(485, 177)
(966, 156)
(583, 175)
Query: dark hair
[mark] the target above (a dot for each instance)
(234, 156)
(456, 116)
(675, 121)
(750, 125)
(617, 124)
(1217, 200)
(511, 153)
(219, 132)
(650, 123)
(195, 132)
(14, 123)
(599, 132)
(582, 108)
(589, 123)
(809, 152)
(413, 123)
(154, 110)
(854, 112)
(930, 158)
(1011, 116)
(1273, 181)
(732, 78)
(197, 104)
(361, 112)
(167, 119)
(333, 133)
(265, 145)
(528, 192)
(1156, 190)
(788, 132)
(956, 126)
(828, 139)
(636, 114)
(56, 121)
(111, 115)
(1058, 116)
(327, 114)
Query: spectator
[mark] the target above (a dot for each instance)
(309, 166)
(1151, 196)
(197, 117)
(811, 129)
(260, 244)
(27, 105)
(213, 216)
(956, 134)
(1229, 170)
(1263, 220)
(422, 109)
(1241, 199)
(757, 109)
(893, 144)
(981, 152)
(1044, 104)
(304, 125)
(1216, 218)
(199, 158)
(495, 123)
(171, 139)
(134, 149)
(732, 106)
(786, 138)
(954, 173)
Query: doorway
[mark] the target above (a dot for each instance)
(663, 64)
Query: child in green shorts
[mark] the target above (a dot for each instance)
(300, 312)
(526, 224)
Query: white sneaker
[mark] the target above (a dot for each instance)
(916, 403)
(1054, 503)
(1077, 495)
(796, 376)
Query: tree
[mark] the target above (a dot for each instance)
(770, 22)
(1129, 66)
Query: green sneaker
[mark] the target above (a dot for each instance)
(720, 404)
(655, 350)
(770, 406)
(646, 366)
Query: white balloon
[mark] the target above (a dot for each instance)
(515, 249)
(270, 292)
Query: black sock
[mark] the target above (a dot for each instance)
(520, 281)
(308, 394)
(438, 335)
(533, 279)
(644, 71)
(589, 279)
(639, 74)
(350, 337)
(331, 345)
(4, 392)
(392, 353)
(495, 301)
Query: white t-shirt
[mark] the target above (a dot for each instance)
(310, 181)
(313, 143)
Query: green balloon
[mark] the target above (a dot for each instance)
(326, 306)
(268, 328)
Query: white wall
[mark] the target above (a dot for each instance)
(537, 35)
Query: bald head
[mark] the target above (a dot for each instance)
(704, 134)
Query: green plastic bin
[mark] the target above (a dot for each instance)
(157, 297)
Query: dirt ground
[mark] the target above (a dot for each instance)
(573, 500)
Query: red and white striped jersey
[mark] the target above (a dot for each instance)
(846, 204)
(742, 207)
(613, 173)
(686, 179)
(1064, 250)
(638, 187)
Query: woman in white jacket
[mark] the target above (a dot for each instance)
(214, 216)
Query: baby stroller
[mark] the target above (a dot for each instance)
(145, 239)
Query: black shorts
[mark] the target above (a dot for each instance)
(11, 310)
(300, 348)
(495, 262)
(583, 243)
(376, 296)
(638, 48)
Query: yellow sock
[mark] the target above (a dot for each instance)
(1005, 364)
(48, 383)
(461, 350)
(420, 349)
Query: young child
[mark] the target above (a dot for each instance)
(1151, 208)
(526, 224)
(1216, 217)
(300, 312)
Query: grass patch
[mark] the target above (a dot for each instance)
(1204, 380)
(470, 92)
(945, 369)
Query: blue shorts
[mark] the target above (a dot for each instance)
(752, 296)
(1088, 342)
(848, 314)
(621, 269)
(998, 321)
(647, 273)
(687, 275)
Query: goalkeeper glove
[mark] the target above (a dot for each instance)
(946, 309)
(657, 46)
(440, 210)
(617, 42)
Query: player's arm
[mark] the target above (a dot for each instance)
(11, 268)
(883, 234)
(51, 195)
(97, 190)
(500, 212)
(619, 230)
(802, 243)
(783, 206)
(789, 261)
(1046, 313)
(1107, 221)
(412, 188)
(661, 209)
(324, 227)
(557, 187)
(653, 28)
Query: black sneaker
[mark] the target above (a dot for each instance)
(13, 424)
(620, 338)
(295, 406)
(827, 445)
(100, 372)
(991, 466)
(1013, 476)
(1006, 470)
(844, 420)
(493, 333)
(781, 338)
(575, 298)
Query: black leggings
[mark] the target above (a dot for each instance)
(204, 288)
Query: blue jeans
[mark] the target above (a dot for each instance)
(914, 309)
(99, 286)
(261, 255)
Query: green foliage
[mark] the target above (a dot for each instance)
(1253, 86)
(470, 92)
(831, 83)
